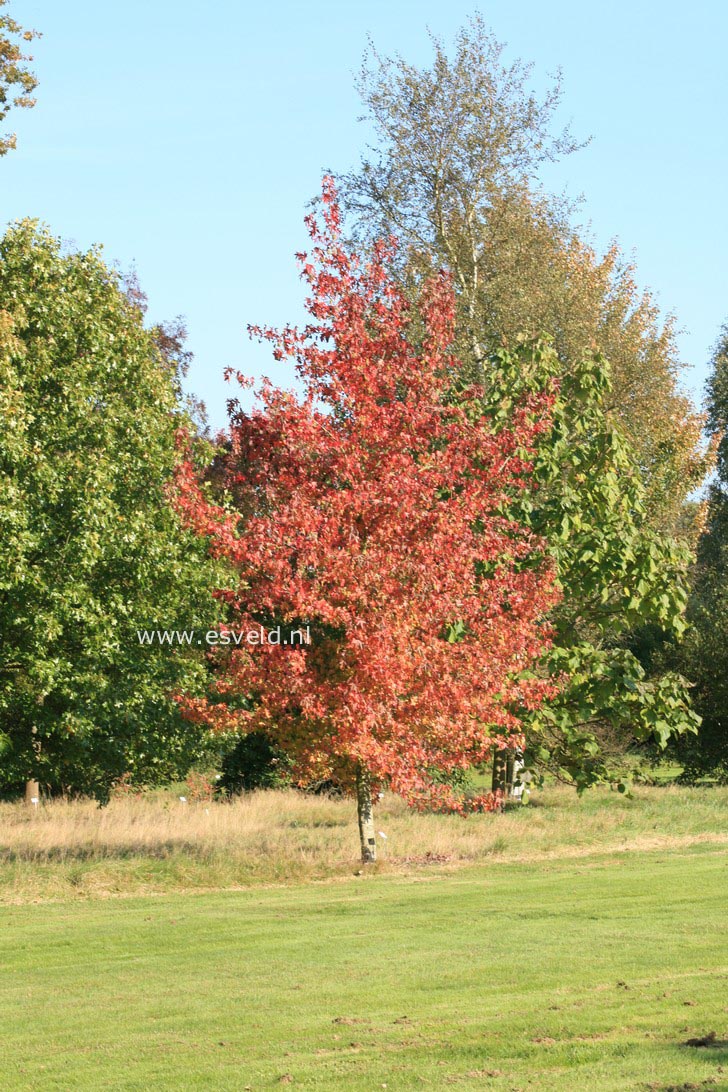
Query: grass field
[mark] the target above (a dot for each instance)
(581, 952)
(156, 844)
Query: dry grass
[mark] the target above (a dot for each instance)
(156, 843)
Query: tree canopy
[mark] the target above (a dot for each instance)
(618, 576)
(17, 82)
(90, 550)
(704, 655)
(454, 172)
(371, 511)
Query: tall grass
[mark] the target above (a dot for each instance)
(157, 842)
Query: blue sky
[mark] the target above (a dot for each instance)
(188, 140)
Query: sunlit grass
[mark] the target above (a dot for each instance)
(157, 843)
(564, 975)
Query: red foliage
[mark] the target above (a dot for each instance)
(369, 510)
(199, 788)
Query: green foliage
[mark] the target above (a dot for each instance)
(90, 550)
(704, 656)
(717, 423)
(17, 82)
(254, 763)
(454, 171)
(616, 573)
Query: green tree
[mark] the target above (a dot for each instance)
(617, 574)
(453, 172)
(704, 655)
(90, 549)
(17, 82)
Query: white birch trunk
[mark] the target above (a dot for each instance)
(366, 816)
(517, 785)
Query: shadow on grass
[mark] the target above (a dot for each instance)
(159, 851)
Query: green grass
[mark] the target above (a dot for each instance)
(157, 845)
(584, 973)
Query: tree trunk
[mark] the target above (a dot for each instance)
(517, 785)
(366, 816)
(500, 770)
(32, 793)
(507, 766)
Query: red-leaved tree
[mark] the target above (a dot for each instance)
(370, 511)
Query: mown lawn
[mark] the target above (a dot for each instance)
(582, 973)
